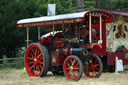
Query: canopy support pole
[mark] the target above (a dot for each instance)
(53, 30)
(100, 27)
(38, 32)
(62, 27)
(76, 30)
(90, 28)
(27, 36)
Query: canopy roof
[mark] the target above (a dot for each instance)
(60, 19)
(118, 12)
(50, 18)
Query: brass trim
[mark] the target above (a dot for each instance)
(90, 28)
(73, 40)
(85, 52)
(100, 27)
(126, 56)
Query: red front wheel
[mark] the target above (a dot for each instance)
(94, 67)
(37, 60)
(73, 67)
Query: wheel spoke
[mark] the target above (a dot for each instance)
(68, 68)
(37, 68)
(68, 65)
(29, 58)
(39, 56)
(31, 67)
(35, 51)
(31, 62)
(97, 69)
(94, 73)
(41, 67)
(73, 74)
(31, 55)
(78, 72)
(95, 61)
(73, 62)
(97, 65)
(34, 68)
(77, 68)
(89, 70)
(40, 62)
(77, 64)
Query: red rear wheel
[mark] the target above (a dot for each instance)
(73, 68)
(36, 60)
(94, 67)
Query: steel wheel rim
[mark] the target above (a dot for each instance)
(72, 68)
(92, 69)
(34, 61)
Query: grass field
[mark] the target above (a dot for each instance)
(16, 77)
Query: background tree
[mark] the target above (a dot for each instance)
(121, 5)
(10, 37)
(89, 4)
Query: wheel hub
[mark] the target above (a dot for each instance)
(92, 66)
(71, 67)
(35, 59)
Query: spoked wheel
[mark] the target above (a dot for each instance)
(37, 60)
(73, 68)
(94, 67)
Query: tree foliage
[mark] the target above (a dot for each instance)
(10, 37)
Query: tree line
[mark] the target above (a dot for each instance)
(12, 38)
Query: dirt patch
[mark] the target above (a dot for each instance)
(16, 77)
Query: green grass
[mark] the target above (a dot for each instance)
(5, 70)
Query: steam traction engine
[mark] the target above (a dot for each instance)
(71, 51)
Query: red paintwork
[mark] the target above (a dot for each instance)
(84, 46)
(33, 52)
(94, 68)
(59, 43)
(67, 51)
(57, 60)
(96, 45)
(96, 49)
(72, 63)
(49, 24)
(96, 20)
(46, 40)
(111, 57)
(59, 56)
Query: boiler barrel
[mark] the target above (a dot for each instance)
(79, 51)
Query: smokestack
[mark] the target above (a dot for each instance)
(80, 5)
